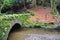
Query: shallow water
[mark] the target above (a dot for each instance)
(35, 34)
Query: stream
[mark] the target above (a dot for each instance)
(34, 34)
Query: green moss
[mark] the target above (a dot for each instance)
(54, 13)
(6, 19)
(32, 14)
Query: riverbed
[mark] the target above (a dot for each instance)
(34, 34)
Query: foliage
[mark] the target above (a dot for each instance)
(1, 2)
(6, 19)
(53, 13)
(53, 7)
(39, 2)
(5, 3)
(57, 1)
(8, 2)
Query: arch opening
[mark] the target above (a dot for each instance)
(15, 27)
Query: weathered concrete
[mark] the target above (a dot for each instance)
(12, 23)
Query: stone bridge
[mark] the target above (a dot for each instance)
(14, 24)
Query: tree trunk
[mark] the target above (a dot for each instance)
(34, 3)
(0, 11)
(53, 9)
(2, 7)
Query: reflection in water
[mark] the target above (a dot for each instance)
(34, 34)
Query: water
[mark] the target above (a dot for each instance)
(35, 34)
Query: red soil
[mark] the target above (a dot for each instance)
(42, 14)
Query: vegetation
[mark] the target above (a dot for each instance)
(6, 18)
(5, 3)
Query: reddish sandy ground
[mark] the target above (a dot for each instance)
(42, 14)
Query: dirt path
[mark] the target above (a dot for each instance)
(42, 14)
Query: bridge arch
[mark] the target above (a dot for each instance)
(14, 25)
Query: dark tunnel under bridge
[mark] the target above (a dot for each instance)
(14, 25)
